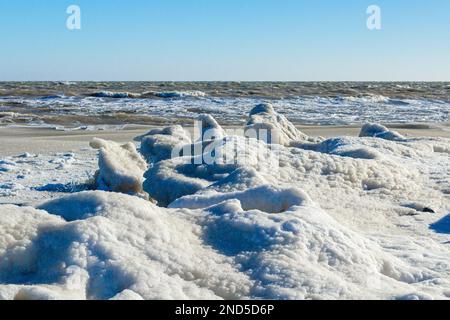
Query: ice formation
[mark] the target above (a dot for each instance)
(158, 144)
(379, 131)
(100, 245)
(280, 130)
(210, 129)
(121, 167)
(341, 218)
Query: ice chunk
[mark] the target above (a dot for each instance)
(173, 178)
(265, 198)
(158, 144)
(121, 168)
(379, 131)
(263, 120)
(303, 251)
(116, 246)
(344, 147)
(7, 165)
(210, 128)
(105, 245)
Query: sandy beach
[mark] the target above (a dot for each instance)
(16, 140)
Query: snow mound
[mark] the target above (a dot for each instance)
(121, 168)
(441, 148)
(20, 257)
(211, 129)
(344, 147)
(305, 254)
(265, 198)
(6, 165)
(104, 245)
(344, 218)
(379, 131)
(278, 129)
(158, 144)
(173, 178)
(116, 246)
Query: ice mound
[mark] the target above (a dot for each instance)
(170, 179)
(117, 246)
(105, 245)
(183, 171)
(379, 131)
(441, 147)
(211, 129)
(158, 144)
(279, 129)
(343, 218)
(121, 168)
(6, 165)
(344, 147)
(305, 254)
(9, 189)
(19, 255)
(359, 172)
(265, 198)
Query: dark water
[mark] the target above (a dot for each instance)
(275, 90)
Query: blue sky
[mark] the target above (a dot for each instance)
(225, 40)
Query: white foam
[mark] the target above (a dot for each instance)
(158, 144)
(378, 131)
(121, 167)
(342, 218)
(179, 94)
(299, 110)
(279, 129)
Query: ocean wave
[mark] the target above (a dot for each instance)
(149, 94)
(115, 95)
(52, 97)
(370, 98)
(114, 107)
(179, 94)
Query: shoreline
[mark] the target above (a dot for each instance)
(17, 140)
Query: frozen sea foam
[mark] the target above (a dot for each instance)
(121, 167)
(338, 218)
(379, 131)
(102, 245)
(264, 118)
(158, 144)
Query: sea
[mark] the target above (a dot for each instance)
(96, 105)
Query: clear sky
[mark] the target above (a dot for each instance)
(225, 40)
